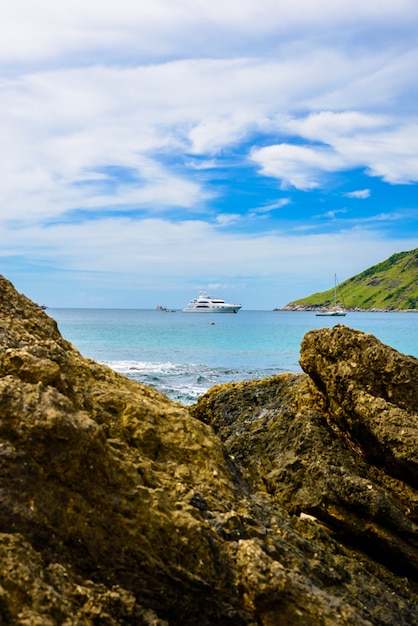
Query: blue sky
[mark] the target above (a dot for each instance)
(253, 148)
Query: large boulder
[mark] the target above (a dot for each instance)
(118, 506)
(372, 393)
(338, 444)
(107, 489)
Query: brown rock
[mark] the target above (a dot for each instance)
(316, 443)
(372, 392)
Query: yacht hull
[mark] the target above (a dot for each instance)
(213, 310)
(207, 304)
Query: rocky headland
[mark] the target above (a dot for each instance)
(388, 286)
(296, 306)
(287, 501)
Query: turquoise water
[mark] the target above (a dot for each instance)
(184, 354)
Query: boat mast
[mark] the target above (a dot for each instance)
(335, 290)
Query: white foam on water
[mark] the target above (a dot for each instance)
(125, 367)
(185, 382)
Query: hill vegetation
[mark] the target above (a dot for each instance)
(390, 285)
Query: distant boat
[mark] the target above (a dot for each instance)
(207, 304)
(335, 310)
(160, 308)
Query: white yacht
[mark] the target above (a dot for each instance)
(207, 304)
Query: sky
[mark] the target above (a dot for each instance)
(253, 148)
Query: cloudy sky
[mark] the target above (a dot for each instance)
(253, 148)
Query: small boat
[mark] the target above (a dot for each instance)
(208, 304)
(335, 310)
(332, 312)
(160, 308)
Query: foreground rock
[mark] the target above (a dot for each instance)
(341, 444)
(266, 503)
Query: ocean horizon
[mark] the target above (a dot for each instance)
(184, 354)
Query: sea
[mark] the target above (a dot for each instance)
(184, 354)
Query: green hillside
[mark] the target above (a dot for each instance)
(390, 285)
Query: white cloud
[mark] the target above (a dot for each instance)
(361, 194)
(269, 208)
(211, 135)
(46, 30)
(385, 147)
(152, 251)
(297, 166)
(327, 126)
(227, 219)
(332, 214)
(390, 155)
(56, 125)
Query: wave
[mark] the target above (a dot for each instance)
(182, 382)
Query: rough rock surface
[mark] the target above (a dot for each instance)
(277, 502)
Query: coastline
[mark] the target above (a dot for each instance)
(317, 307)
